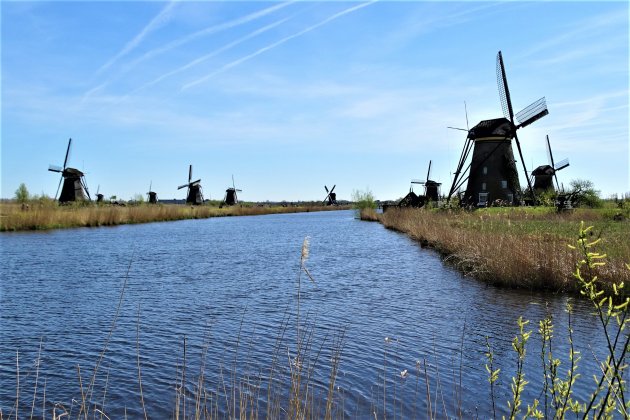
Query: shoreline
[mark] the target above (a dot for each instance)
(37, 217)
(514, 248)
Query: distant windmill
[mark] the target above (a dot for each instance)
(431, 188)
(194, 194)
(231, 198)
(74, 186)
(492, 173)
(152, 195)
(544, 173)
(99, 196)
(331, 196)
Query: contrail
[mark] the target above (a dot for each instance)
(212, 54)
(208, 31)
(275, 44)
(162, 18)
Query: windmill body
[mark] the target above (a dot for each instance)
(74, 187)
(231, 198)
(545, 174)
(331, 196)
(493, 174)
(431, 192)
(194, 195)
(543, 178)
(152, 197)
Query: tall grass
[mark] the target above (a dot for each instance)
(514, 247)
(38, 216)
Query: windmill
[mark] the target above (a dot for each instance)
(331, 197)
(151, 195)
(99, 196)
(431, 188)
(543, 174)
(74, 186)
(492, 173)
(194, 194)
(231, 198)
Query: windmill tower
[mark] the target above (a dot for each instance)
(492, 173)
(431, 188)
(331, 197)
(74, 186)
(543, 174)
(194, 194)
(152, 195)
(231, 198)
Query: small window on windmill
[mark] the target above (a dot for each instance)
(483, 186)
(510, 198)
(504, 184)
(483, 199)
(485, 171)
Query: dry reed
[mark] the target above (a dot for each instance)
(514, 247)
(14, 217)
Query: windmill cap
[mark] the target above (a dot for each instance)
(501, 128)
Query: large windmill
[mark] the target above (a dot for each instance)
(194, 194)
(74, 186)
(491, 174)
(543, 174)
(331, 197)
(231, 198)
(152, 195)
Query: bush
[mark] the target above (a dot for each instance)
(363, 200)
(585, 193)
(21, 194)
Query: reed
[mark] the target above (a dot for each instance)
(514, 247)
(43, 216)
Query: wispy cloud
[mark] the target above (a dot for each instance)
(275, 44)
(161, 19)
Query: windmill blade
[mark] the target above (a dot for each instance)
(520, 153)
(466, 112)
(460, 129)
(332, 189)
(326, 199)
(417, 181)
(98, 189)
(195, 182)
(561, 165)
(65, 161)
(326, 188)
(429, 171)
(58, 186)
(504, 91)
(532, 112)
(233, 185)
(182, 186)
(54, 168)
(549, 154)
(150, 185)
(238, 190)
(189, 173)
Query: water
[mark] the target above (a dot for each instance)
(228, 288)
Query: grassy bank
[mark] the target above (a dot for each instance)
(514, 247)
(41, 216)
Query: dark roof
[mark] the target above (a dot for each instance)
(72, 172)
(499, 127)
(543, 170)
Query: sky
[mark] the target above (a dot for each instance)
(288, 97)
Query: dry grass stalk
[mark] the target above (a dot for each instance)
(513, 248)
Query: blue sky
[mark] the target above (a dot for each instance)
(289, 97)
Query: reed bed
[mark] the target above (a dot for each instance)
(524, 248)
(43, 216)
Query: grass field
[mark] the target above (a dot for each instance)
(49, 215)
(516, 247)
